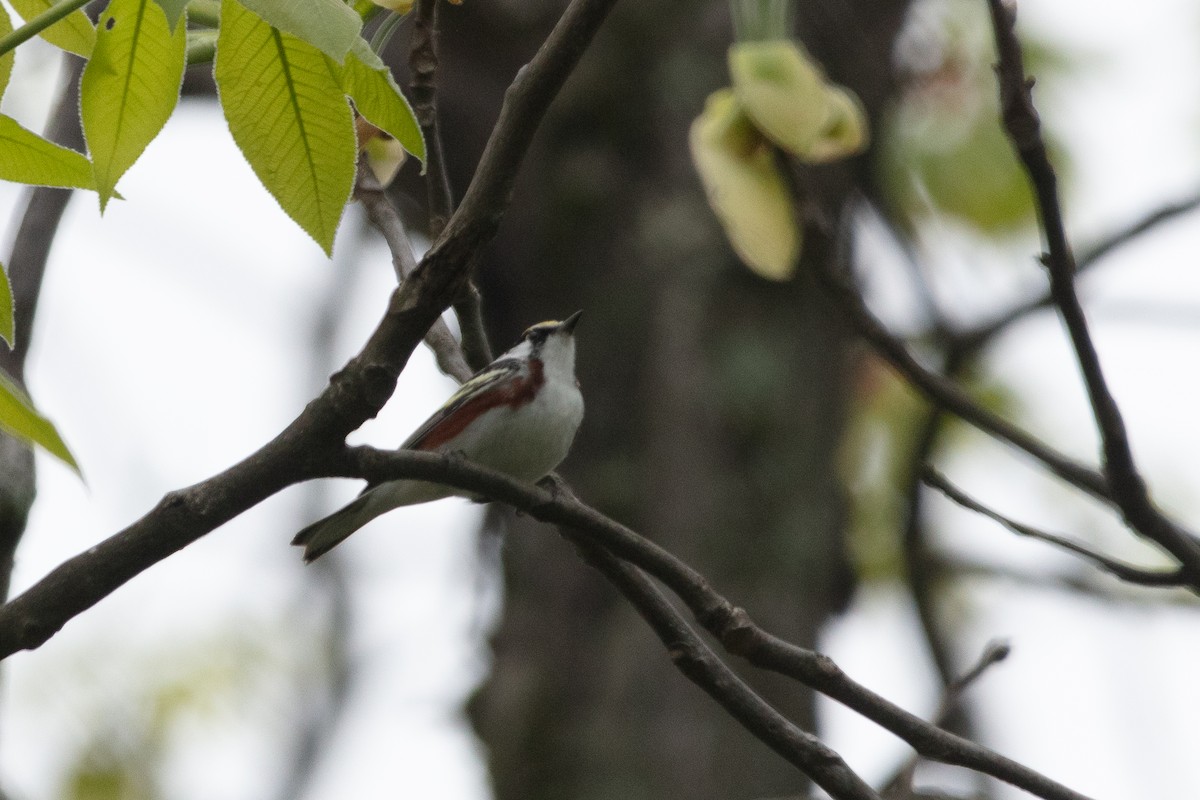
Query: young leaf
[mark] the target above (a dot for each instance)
(21, 419)
(6, 60)
(26, 157)
(129, 87)
(173, 9)
(73, 32)
(369, 83)
(288, 113)
(745, 187)
(331, 26)
(7, 323)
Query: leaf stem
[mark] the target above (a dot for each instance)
(39, 23)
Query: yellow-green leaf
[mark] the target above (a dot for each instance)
(129, 87)
(744, 187)
(782, 89)
(370, 85)
(331, 26)
(173, 9)
(7, 322)
(845, 132)
(6, 60)
(26, 157)
(73, 32)
(289, 115)
(21, 419)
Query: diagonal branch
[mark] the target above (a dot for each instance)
(383, 215)
(946, 394)
(354, 394)
(701, 665)
(901, 785)
(1126, 486)
(1126, 572)
(969, 342)
(731, 626)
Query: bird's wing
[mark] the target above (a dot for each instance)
(486, 378)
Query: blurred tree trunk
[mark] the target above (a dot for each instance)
(715, 401)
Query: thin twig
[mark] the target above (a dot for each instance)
(423, 63)
(730, 625)
(971, 342)
(423, 67)
(355, 393)
(901, 784)
(1126, 487)
(944, 393)
(700, 664)
(1120, 569)
(386, 219)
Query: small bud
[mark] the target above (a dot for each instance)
(845, 132)
(385, 155)
(744, 187)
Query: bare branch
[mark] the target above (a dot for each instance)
(1126, 572)
(26, 269)
(1126, 486)
(356, 393)
(386, 219)
(423, 66)
(971, 341)
(701, 665)
(730, 625)
(902, 784)
(944, 393)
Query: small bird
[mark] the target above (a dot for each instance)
(517, 415)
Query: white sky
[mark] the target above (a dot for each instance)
(155, 321)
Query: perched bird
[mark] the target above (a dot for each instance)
(517, 415)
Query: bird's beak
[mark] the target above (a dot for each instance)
(569, 323)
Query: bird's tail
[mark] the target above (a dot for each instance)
(324, 534)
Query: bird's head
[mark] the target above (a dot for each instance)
(552, 343)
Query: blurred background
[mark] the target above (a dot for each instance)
(451, 651)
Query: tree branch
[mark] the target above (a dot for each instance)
(970, 342)
(902, 784)
(382, 213)
(1126, 572)
(944, 393)
(1126, 487)
(423, 64)
(26, 269)
(356, 393)
(731, 626)
(696, 660)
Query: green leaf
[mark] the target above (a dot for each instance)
(26, 157)
(7, 322)
(6, 60)
(173, 9)
(21, 419)
(331, 26)
(73, 32)
(129, 87)
(288, 113)
(370, 85)
(745, 187)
